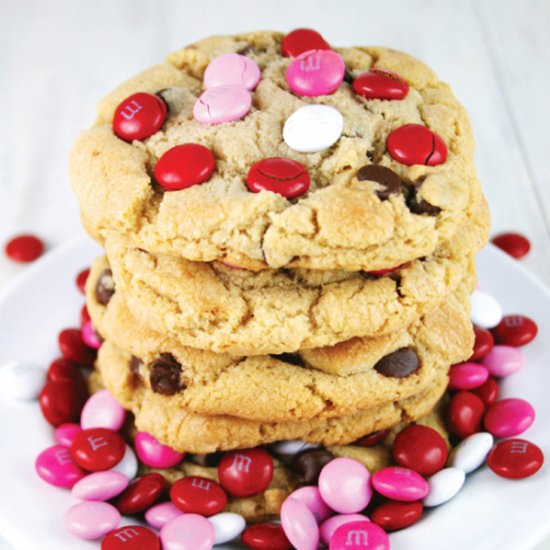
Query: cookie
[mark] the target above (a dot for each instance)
(383, 194)
(321, 383)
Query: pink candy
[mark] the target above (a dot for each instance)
(467, 376)
(89, 336)
(315, 73)
(359, 535)
(311, 497)
(160, 514)
(222, 104)
(299, 524)
(509, 417)
(91, 520)
(328, 528)
(56, 467)
(232, 69)
(66, 433)
(155, 454)
(400, 484)
(344, 485)
(502, 361)
(187, 532)
(102, 411)
(100, 486)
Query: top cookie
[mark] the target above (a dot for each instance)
(352, 158)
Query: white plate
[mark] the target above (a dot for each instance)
(490, 512)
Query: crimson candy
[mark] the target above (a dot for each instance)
(487, 392)
(416, 144)
(72, 347)
(183, 166)
(98, 449)
(372, 439)
(515, 459)
(514, 244)
(198, 495)
(515, 330)
(483, 344)
(81, 279)
(24, 248)
(139, 116)
(465, 413)
(65, 369)
(421, 449)
(278, 175)
(380, 83)
(142, 493)
(131, 537)
(84, 315)
(392, 515)
(61, 401)
(299, 41)
(246, 473)
(265, 536)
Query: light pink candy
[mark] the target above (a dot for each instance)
(91, 520)
(401, 484)
(56, 467)
(359, 535)
(467, 376)
(315, 73)
(102, 411)
(187, 532)
(509, 417)
(153, 453)
(299, 524)
(159, 515)
(65, 434)
(331, 524)
(502, 361)
(89, 336)
(231, 69)
(222, 104)
(345, 485)
(100, 486)
(311, 497)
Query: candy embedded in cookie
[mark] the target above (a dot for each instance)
(232, 69)
(416, 144)
(139, 116)
(299, 41)
(380, 83)
(279, 175)
(222, 104)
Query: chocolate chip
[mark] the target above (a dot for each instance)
(398, 364)
(292, 358)
(420, 206)
(309, 463)
(165, 375)
(135, 364)
(348, 77)
(246, 49)
(105, 287)
(210, 460)
(389, 181)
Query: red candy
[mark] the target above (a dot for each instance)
(84, 315)
(61, 401)
(302, 40)
(140, 495)
(24, 248)
(265, 536)
(416, 144)
(515, 330)
(131, 537)
(372, 439)
(98, 449)
(465, 414)
(64, 369)
(81, 279)
(184, 166)
(380, 83)
(392, 515)
(198, 495)
(487, 392)
(514, 244)
(515, 459)
(483, 344)
(279, 175)
(246, 473)
(139, 116)
(73, 348)
(421, 449)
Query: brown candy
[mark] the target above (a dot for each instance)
(105, 287)
(210, 460)
(398, 364)
(165, 375)
(309, 463)
(387, 179)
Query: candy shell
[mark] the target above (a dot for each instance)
(90, 337)
(444, 486)
(139, 116)
(515, 459)
(100, 486)
(142, 493)
(398, 483)
(486, 311)
(160, 514)
(66, 433)
(483, 344)
(231, 69)
(61, 401)
(227, 526)
(278, 175)
(515, 330)
(330, 525)
(198, 495)
(97, 449)
(21, 380)
(514, 244)
(153, 453)
(72, 347)
(265, 536)
(465, 414)
(81, 279)
(392, 516)
(380, 83)
(246, 473)
(467, 376)
(509, 417)
(102, 411)
(91, 520)
(488, 392)
(187, 532)
(471, 452)
(299, 41)
(311, 497)
(56, 466)
(503, 361)
(299, 524)
(222, 104)
(24, 248)
(416, 144)
(131, 537)
(360, 535)
(290, 448)
(128, 465)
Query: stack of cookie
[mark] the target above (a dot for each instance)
(290, 233)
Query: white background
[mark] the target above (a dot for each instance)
(58, 57)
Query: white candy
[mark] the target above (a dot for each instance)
(292, 447)
(128, 465)
(444, 486)
(227, 526)
(486, 311)
(22, 380)
(470, 454)
(313, 128)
